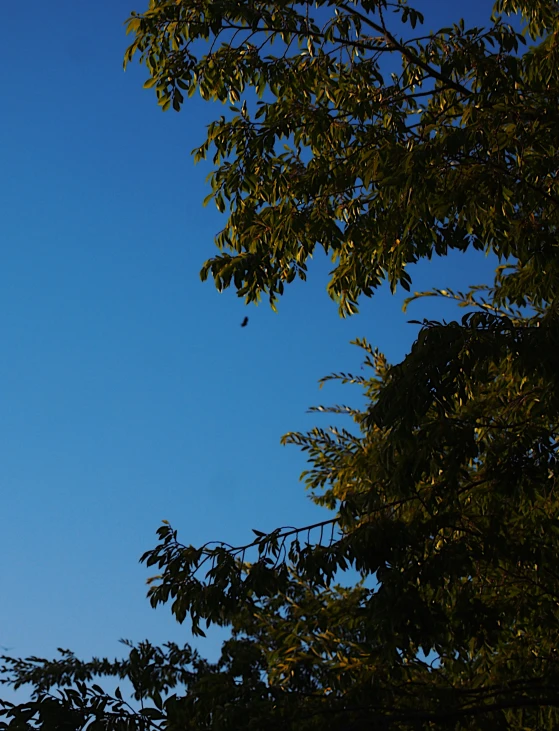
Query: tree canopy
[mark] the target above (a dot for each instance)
(364, 135)
(354, 130)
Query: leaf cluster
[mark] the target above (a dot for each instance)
(350, 130)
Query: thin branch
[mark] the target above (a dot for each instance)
(407, 52)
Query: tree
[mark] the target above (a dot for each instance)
(443, 488)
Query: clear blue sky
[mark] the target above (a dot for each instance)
(129, 393)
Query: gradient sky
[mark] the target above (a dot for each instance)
(129, 393)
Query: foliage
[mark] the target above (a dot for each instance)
(442, 488)
(364, 135)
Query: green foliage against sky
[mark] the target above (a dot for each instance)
(454, 148)
(355, 131)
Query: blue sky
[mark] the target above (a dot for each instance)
(129, 392)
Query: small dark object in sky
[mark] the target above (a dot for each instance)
(244, 323)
